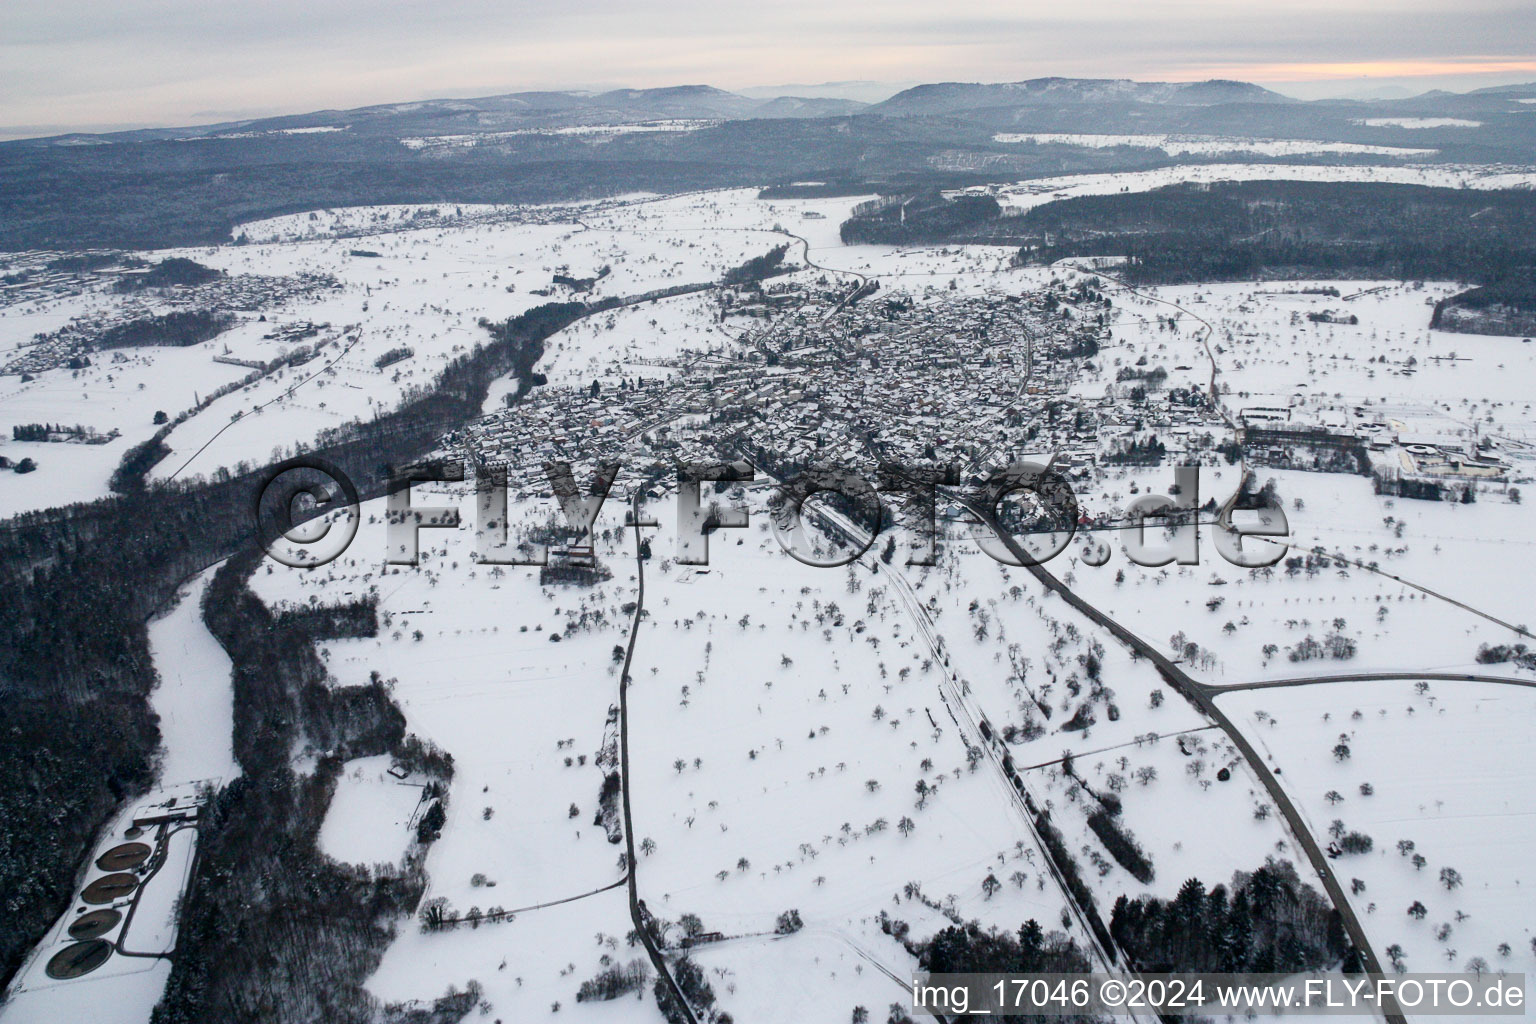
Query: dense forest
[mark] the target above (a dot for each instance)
(178, 270)
(1506, 306)
(325, 622)
(59, 783)
(178, 187)
(758, 268)
(1267, 921)
(145, 193)
(923, 218)
(75, 674)
(1257, 229)
(179, 328)
(971, 949)
(1248, 230)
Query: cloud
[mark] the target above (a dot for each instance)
(78, 62)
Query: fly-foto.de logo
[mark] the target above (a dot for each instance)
(307, 514)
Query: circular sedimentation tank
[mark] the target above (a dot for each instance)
(79, 958)
(110, 887)
(123, 857)
(94, 925)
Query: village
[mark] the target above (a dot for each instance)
(971, 383)
(968, 381)
(141, 319)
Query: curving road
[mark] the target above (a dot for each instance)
(1198, 695)
(1216, 689)
(636, 908)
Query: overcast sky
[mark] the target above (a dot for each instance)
(80, 64)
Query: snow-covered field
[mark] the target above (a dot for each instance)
(313, 130)
(591, 132)
(370, 813)
(1270, 355)
(781, 716)
(1418, 122)
(362, 220)
(1445, 766)
(428, 289)
(440, 268)
(111, 394)
(788, 827)
(485, 682)
(194, 700)
(1048, 640)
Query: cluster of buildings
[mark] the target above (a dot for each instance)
(238, 293)
(42, 275)
(959, 381)
(1396, 446)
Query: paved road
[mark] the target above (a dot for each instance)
(806, 253)
(287, 392)
(1205, 337)
(1216, 689)
(157, 861)
(567, 899)
(636, 911)
(1196, 694)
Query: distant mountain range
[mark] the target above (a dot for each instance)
(1042, 103)
(863, 91)
(958, 97)
(524, 110)
(161, 187)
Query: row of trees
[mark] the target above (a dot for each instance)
(177, 270)
(40, 431)
(178, 327)
(758, 267)
(969, 948)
